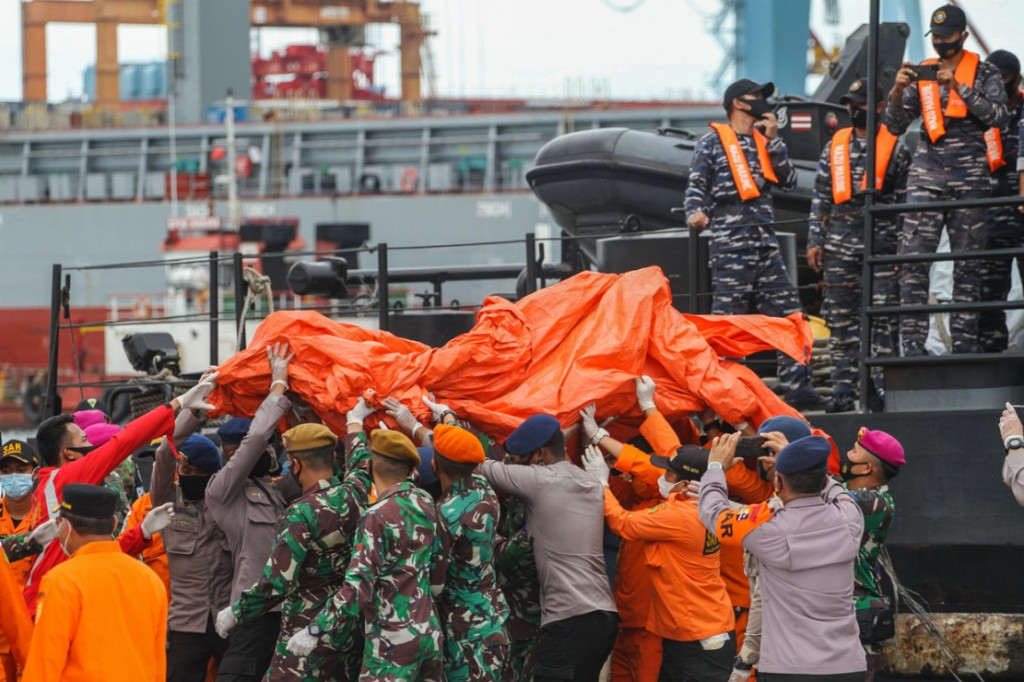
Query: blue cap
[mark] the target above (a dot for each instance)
(427, 475)
(532, 434)
(200, 452)
(790, 427)
(233, 430)
(804, 454)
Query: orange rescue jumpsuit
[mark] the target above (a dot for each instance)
(153, 555)
(20, 569)
(101, 616)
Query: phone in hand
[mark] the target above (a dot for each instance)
(925, 72)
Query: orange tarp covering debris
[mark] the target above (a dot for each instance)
(579, 341)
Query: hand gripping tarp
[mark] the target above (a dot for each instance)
(579, 341)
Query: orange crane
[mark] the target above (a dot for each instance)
(343, 19)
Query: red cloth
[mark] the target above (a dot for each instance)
(582, 340)
(91, 469)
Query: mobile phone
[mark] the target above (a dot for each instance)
(925, 72)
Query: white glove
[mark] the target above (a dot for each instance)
(645, 392)
(403, 415)
(225, 622)
(1009, 423)
(195, 397)
(157, 519)
(360, 412)
(436, 409)
(592, 433)
(45, 533)
(739, 675)
(279, 359)
(593, 463)
(302, 643)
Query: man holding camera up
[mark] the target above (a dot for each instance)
(733, 172)
(959, 98)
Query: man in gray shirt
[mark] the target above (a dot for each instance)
(565, 518)
(805, 555)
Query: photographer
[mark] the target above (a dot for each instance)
(733, 172)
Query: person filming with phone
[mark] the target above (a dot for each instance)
(734, 170)
(959, 98)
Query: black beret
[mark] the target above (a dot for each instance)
(88, 501)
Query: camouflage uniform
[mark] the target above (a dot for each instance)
(520, 584)
(1004, 229)
(469, 602)
(387, 588)
(841, 238)
(747, 271)
(306, 567)
(953, 168)
(879, 510)
(115, 484)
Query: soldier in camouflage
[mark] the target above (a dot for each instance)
(835, 243)
(387, 583)
(733, 172)
(1004, 226)
(964, 100)
(308, 560)
(867, 468)
(470, 605)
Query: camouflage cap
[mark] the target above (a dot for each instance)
(308, 437)
(393, 445)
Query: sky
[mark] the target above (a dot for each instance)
(522, 48)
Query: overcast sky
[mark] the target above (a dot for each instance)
(516, 47)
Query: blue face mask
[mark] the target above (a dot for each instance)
(16, 485)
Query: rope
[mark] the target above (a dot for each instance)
(256, 285)
(919, 608)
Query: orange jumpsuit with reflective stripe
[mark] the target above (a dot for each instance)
(153, 554)
(101, 615)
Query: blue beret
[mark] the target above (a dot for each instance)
(532, 434)
(804, 454)
(791, 427)
(233, 430)
(200, 452)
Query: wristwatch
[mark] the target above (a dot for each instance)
(314, 629)
(1013, 443)
(715, 465)
(739, 664)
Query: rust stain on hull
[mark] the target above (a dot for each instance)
(991, 644)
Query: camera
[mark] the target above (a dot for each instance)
(751, 447)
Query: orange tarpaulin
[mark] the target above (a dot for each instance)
(579, 341)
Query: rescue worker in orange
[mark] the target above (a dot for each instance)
(691, 612)
(101, 614)
(153, 554)
(18, 466)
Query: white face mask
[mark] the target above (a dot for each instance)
(64, 541)
(665, 487)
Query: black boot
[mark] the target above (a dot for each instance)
(805, 399)
(840, 403)
(914, 349)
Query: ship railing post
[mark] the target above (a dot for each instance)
(692, 276)
(867, 270)
(239, 300)
(531, 263)
(214, 309)
(49, 408)
(383, 296)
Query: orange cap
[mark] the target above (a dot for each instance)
(457, 444)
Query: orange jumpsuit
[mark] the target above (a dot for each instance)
(20, 571)
(101, 615)
(153, 555)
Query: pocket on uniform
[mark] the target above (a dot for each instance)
(260, 511)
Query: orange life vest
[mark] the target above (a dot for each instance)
(931, 104)
(994, 148)
(738, 165)
(842, 190)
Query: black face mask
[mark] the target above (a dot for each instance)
(846, 467)
(295, 472)
(193, 487)
(859, 117)
(948, 50)
(83, 450)
(758, 108)
(262, 466)
(1011, 88)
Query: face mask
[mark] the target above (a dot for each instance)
(665, 487)
(83, 450)
(16, 485)
(63, 541)
(846, 467)
(295, 471)
(193, 487)
(262, 467)
(948, 50)
(1012, 87)
(758, 107)
(859, 117)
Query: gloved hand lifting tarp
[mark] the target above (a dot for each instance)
(580, 341)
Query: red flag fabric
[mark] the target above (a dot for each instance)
(582, 340)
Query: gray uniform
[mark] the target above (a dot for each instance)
(748, 274)
(952, 168)
(805, 557)
(246, 509)
(199, 564)
(838, 229)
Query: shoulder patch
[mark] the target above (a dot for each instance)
(711, 544)
(656, 508)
